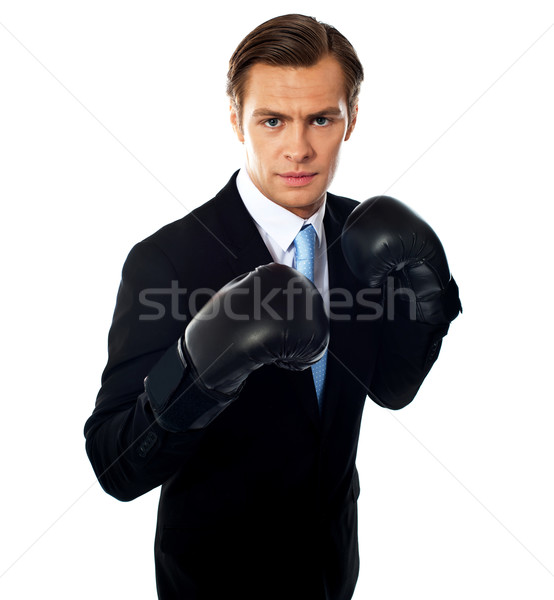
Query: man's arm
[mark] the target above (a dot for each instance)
(158, 395)
(388, 246)
(406, 354)
(131, 453)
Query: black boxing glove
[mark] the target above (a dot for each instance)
(382, 237)
(272, 315)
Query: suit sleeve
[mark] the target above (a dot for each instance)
(149, 414)
(407, 352)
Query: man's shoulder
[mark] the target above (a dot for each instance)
(342, 201)
(340, 206)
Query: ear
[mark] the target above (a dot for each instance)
(235, 123)
(352, 124)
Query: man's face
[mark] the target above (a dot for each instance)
(294, 121)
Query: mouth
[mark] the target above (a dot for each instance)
(297, 178)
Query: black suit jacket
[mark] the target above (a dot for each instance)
(260, 502)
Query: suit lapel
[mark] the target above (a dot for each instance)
(247, 250)
(344, 339)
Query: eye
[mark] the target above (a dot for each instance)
(321, 121)
(272, 123)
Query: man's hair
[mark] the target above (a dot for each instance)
(293, 41)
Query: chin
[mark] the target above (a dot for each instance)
(302, 209)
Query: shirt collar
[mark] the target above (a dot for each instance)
(278, 222)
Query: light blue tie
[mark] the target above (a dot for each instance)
(304, 244)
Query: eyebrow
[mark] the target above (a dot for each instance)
(268, 112)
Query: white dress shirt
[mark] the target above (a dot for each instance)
(279, 226)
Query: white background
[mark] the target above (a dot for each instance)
(113, 122)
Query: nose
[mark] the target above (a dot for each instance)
(297, 144)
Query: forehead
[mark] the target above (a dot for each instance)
(268, 85)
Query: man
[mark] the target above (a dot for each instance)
(245, 406)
